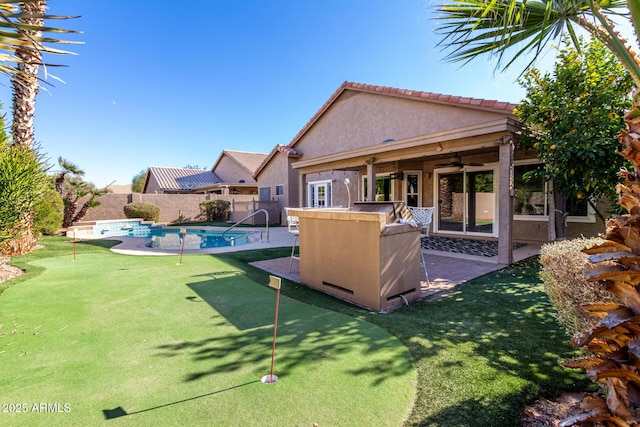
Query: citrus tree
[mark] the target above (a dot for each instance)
(562, 125)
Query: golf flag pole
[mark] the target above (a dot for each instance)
(74, 245)
(275, 282)
(184, 237)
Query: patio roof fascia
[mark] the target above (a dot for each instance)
(505, 124)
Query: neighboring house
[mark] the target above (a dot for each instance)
(277, 180)
(455, 153)
(119, 189)
(232, 173)
(178, 180)
(235, 170)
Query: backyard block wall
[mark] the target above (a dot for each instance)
(172, 205)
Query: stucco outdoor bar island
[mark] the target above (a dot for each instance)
(367, 258)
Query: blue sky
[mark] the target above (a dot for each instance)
(155, 84)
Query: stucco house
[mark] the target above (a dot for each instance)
(457, 154)
(235, 171)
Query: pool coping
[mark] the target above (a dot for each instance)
(278, 237)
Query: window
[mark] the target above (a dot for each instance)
(280, 190)
(530, 191)
(412, 187)
(577, 207)
(579, 210)
(531, 197)
(384, 188)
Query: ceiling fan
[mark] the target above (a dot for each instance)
(456, 162)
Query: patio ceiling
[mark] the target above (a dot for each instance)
(482, 137)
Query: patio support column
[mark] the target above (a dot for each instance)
(371, 180)
(301, 190)
(505, 200)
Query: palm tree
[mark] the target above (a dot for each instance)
(23, 40)
(27, 43)
(91, 202)
(77, 189)
(25, 81)
(511, 29)
(475, 27)
(67, 168)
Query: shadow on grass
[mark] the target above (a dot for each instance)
(502, 320)
(476, 412)
(500, 324)
(119, 411)
(306, 336)
(295, 350)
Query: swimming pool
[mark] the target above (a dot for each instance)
(171, 238)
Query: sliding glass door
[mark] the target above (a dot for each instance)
(451, 201)
(466, 202)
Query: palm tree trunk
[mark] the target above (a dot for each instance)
(71, 206)
(25, 81)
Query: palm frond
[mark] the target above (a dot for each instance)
(471, 28)
(16, 35)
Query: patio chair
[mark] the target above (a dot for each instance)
(292, 225)
(423, 217)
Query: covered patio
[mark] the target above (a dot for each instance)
(465, 173)
(375, 143)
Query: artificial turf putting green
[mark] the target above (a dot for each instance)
(119, 340)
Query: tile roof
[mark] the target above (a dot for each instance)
(284, 149)
(249, 161)
(183, 179)
(468, 102)
(461, 101)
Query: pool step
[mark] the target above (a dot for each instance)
(90, 229)
(80, 231)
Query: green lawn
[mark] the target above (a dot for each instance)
(146, 342)
(121, 340)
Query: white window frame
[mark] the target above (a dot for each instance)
(312, 188)
(405, 193)
(280, 190)
(589, 218)
(544, 217)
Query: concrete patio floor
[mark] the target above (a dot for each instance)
(446, 269)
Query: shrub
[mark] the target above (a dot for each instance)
(22, 183)
(565, 282)
(146, 211)
(215, 210)
(48, 213)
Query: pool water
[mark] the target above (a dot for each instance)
(171, 238)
